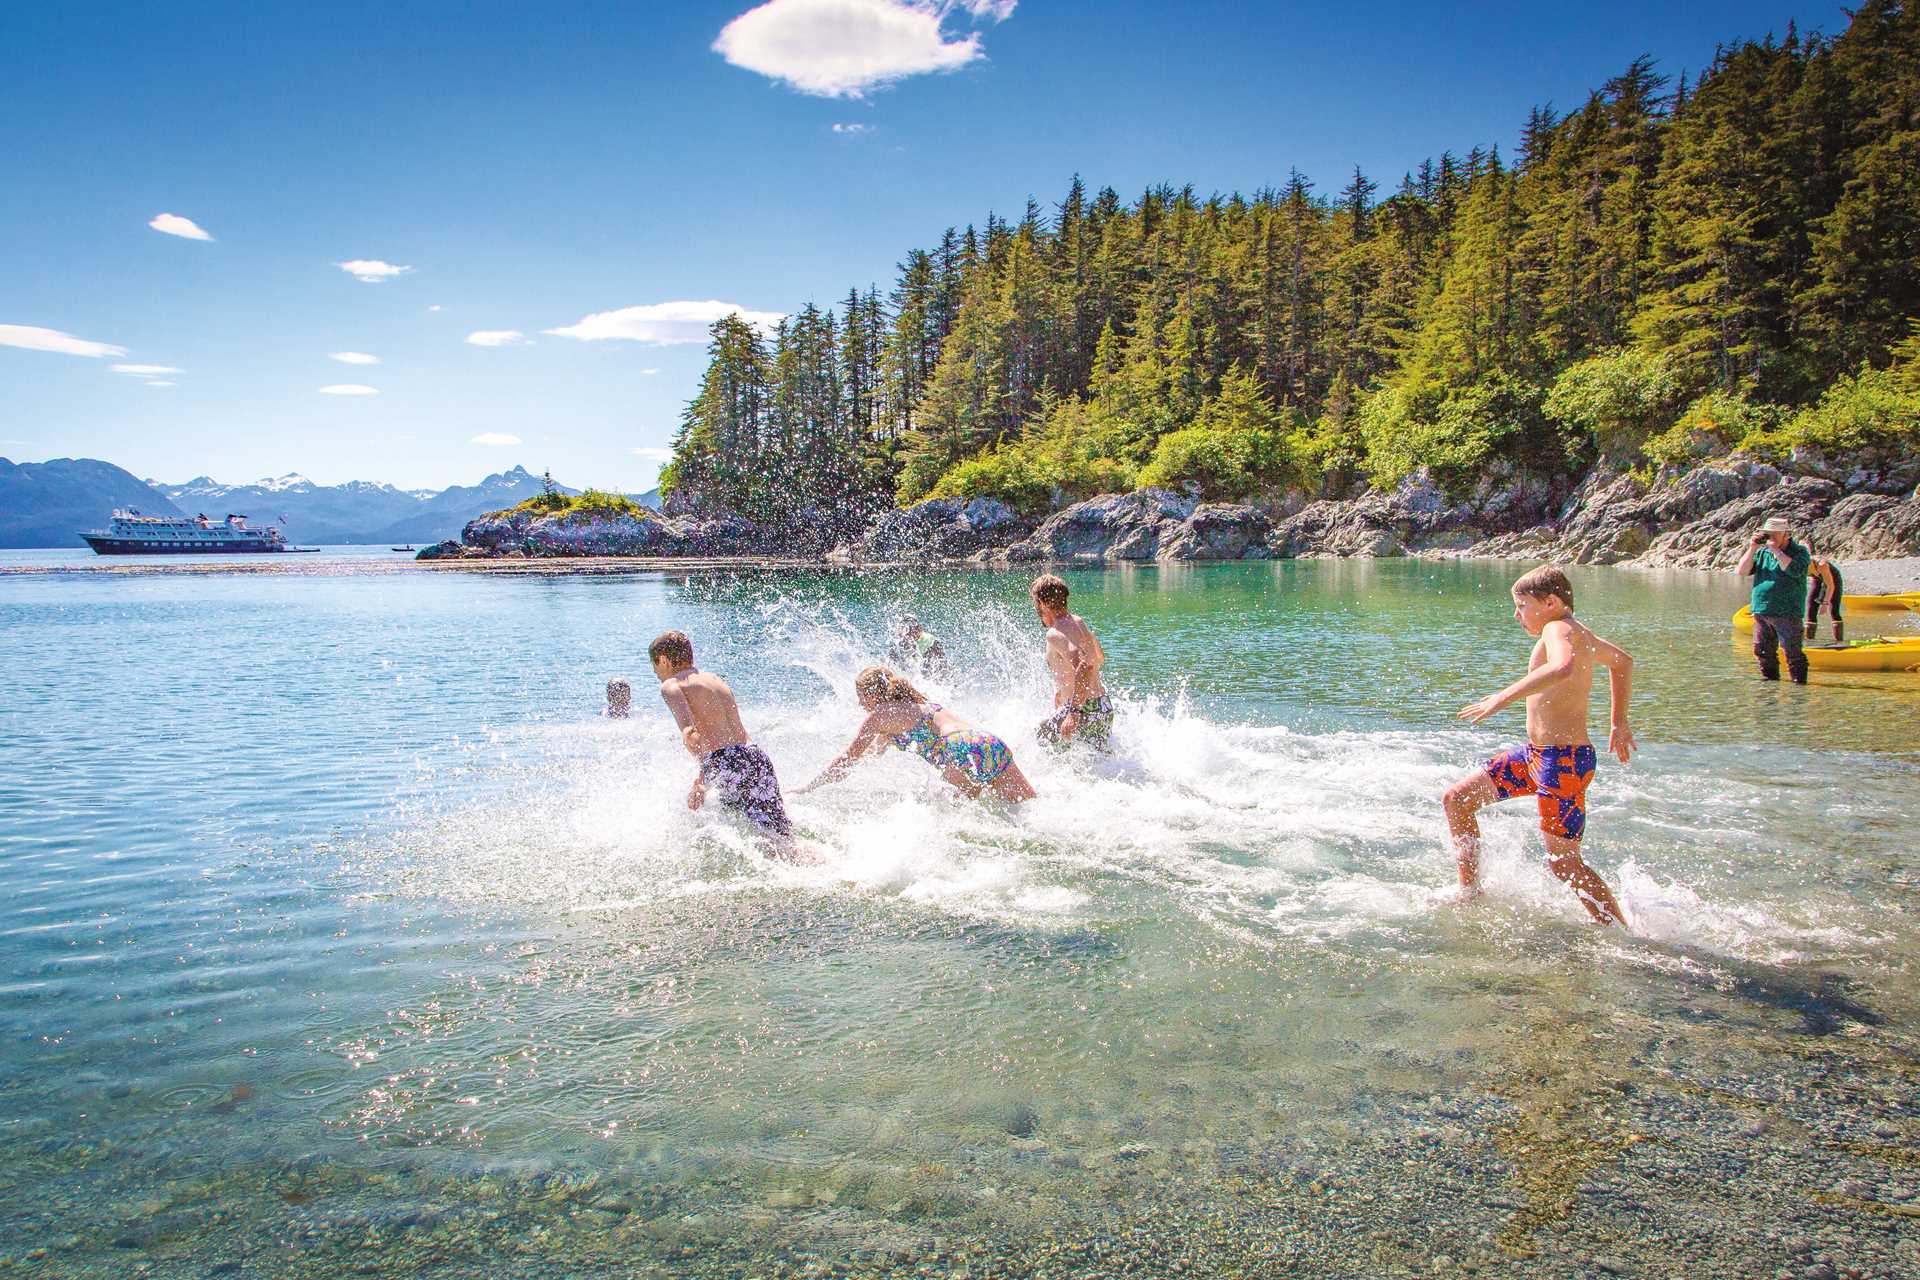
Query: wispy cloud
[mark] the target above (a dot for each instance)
(496, 439)
(496, 338)
(353, 357)
(648, 373)
(146, 370)
(433, 306)
(853, 129)
(842, 48)
(175, 225)
(154, 383)
(33, 338)
(663, 323)
(349, 389)
(372, 270)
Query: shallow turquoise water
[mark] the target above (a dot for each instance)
(331, 909)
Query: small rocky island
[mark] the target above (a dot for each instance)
(1696, 517)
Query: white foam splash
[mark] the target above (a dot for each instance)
(1269, 835)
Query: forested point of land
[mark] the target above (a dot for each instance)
(1670, 272)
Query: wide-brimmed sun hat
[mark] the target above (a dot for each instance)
(1776, 524)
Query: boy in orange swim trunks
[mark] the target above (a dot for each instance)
(1557, 761)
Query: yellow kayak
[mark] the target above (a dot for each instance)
(1888, 653)
(1849, 604)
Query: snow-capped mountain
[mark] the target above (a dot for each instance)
(46, 504)
(359, 511)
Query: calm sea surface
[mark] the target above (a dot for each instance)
(338, 934)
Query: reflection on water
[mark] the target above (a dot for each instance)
(369, 931)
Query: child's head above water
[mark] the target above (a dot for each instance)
(619, 697)
(1542, 595)
(1049, 595)
(670, 651)
(878, 685)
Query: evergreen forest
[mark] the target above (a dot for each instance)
(1670, 272)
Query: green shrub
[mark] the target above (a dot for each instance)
(1867, 413)
(1616, 400)
(597, 501)
(1711, 427)
(1454, 433)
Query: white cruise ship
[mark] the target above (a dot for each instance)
(132, 534)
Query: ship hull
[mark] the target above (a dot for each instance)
(134, 547)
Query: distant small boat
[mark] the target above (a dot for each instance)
(408, 547)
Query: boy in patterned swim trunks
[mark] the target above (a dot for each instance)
(1557, 761)
(739, 773)
(1083, 711)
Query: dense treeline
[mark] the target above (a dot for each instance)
(1669, 272)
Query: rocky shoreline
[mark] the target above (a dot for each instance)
(1696, 518)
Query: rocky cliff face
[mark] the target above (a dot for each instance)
(943, 529)
(1699, 518)
(526, 535)
(1704, 517)
(1151, 524)
(1417, 515)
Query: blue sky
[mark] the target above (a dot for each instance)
(534, 166)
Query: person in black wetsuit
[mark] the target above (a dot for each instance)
(1825, 587)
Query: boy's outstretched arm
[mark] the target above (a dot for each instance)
(1558, 638)
(1619, 665)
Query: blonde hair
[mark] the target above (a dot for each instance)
(885, 685)
(1547, 581)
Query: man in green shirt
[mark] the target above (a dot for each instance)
(1778, 566)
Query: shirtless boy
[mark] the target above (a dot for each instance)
(1557, 761)
(1083, 711)
(739, 773)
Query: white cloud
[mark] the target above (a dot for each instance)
(496, 439)
(648, 373)
(663, 323)
(145, 370)
(353, 357)
(175, 225)
(349, 389)
(841, 48)
(652, 455)
(37, 339)
(372, 270)
(853, 128)
(496, 338)
(434, 307)
(154, 383)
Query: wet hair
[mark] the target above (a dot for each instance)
(1050, 589)
(885, 685)
(1548, 581)
(673, 646)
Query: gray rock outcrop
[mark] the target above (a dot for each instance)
(1870, 526)
(1416, 515)
(940, 529)
(1147, 525)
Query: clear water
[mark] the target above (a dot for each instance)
(337, 932)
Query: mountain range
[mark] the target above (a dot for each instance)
(47, 504)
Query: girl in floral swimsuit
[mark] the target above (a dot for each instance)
(971, 759)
